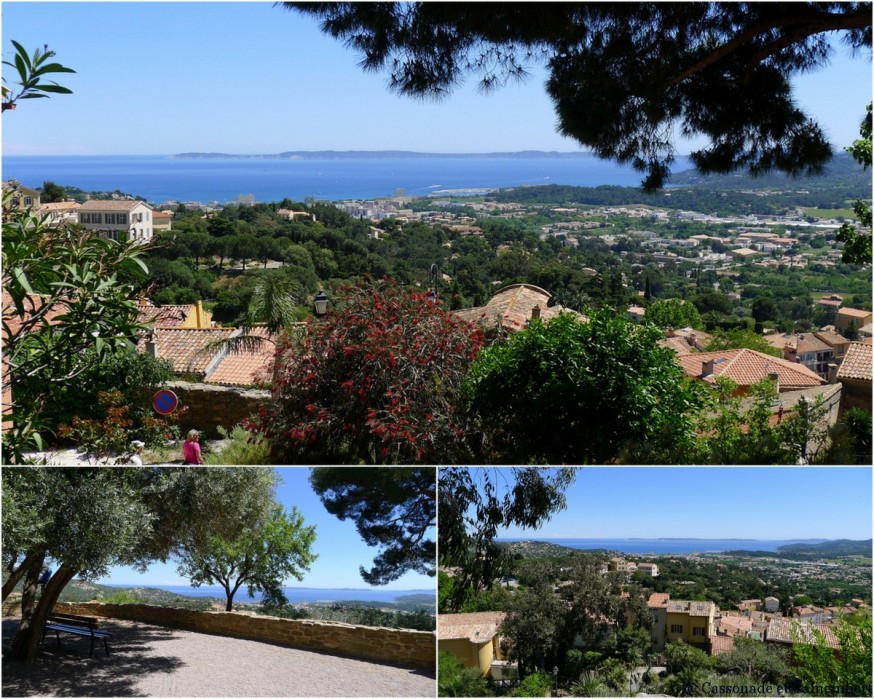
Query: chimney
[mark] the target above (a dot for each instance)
(832, 372)
(152, 346)
(535, 312)
(670, 333)
(707, 367)
(775, 377)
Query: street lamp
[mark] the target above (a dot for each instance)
(321, 303)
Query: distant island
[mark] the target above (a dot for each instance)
(365, 154)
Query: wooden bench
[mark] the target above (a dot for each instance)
(78, 626)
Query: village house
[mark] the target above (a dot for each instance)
(513, 307)
(117, 218)
(854, 376)
(746, 367)
(22, 197)
(852, 320)
(60, 212)
(473, 639)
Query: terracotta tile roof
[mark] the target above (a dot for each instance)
(831, 338)
(780, 340)
(857, 362)
(246, 368)
(853, 313)
(780, 630)
(746, 367)
(658, 600)
(692, 608)
(721, 644)
(111, 204)
(476, 627)
(511, 307)
(811, 343)
(169, 316)
(734, 625)
(187, 348)
(59, 206)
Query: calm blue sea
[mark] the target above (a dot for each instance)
(660, 546)
(159, 179)
(295, 594)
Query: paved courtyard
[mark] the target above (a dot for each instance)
(150, 660)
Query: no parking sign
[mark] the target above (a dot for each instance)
(165, 402)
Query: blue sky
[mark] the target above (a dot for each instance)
(247, 77)
(339, 546)
(713, 503)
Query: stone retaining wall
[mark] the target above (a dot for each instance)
(210, 406)
(400, 647)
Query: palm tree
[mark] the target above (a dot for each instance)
(272, 307)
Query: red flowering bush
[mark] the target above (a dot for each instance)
(376, 381)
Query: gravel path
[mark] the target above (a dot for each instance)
(150, 660)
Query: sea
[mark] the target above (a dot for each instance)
(677, 546)
(165, 178)
(293, 594)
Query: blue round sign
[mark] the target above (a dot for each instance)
(165, 402)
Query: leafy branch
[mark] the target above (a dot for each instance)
(32, 71)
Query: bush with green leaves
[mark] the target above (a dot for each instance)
(572, 392)
(537, 684)
(454, 680)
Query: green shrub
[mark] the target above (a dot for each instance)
(242, 449)
(537, 685)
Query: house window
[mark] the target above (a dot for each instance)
(28, 201)
(676, 628)
(698, 631)
(121, 218)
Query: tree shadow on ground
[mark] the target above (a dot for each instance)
(66, 670)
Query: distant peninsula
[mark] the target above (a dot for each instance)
(370, 154)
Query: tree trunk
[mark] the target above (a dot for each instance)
(33, 617)
(18, 573)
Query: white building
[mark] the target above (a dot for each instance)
(772, 604)
(650, 569)
(112, 217)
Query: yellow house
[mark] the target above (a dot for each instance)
(690, 621)
(472, 638)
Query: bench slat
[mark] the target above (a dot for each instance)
(78, 630)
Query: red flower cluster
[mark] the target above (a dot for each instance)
(375, 381)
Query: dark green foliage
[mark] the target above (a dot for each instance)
(624, 76)
(752, 658)
(573, 392)
(475, 504)
(740, 339)
(454, 680)
(857, 244)
(821, 672)
(674, 313)
(393, 509)
(537, 685)
(72, 304)
(136, 375)
(51, 193)
(272, 549)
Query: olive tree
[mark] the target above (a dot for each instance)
(85, 520)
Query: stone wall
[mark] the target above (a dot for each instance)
(396, 646)
(212, 406)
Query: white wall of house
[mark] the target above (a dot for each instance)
(136, 221)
